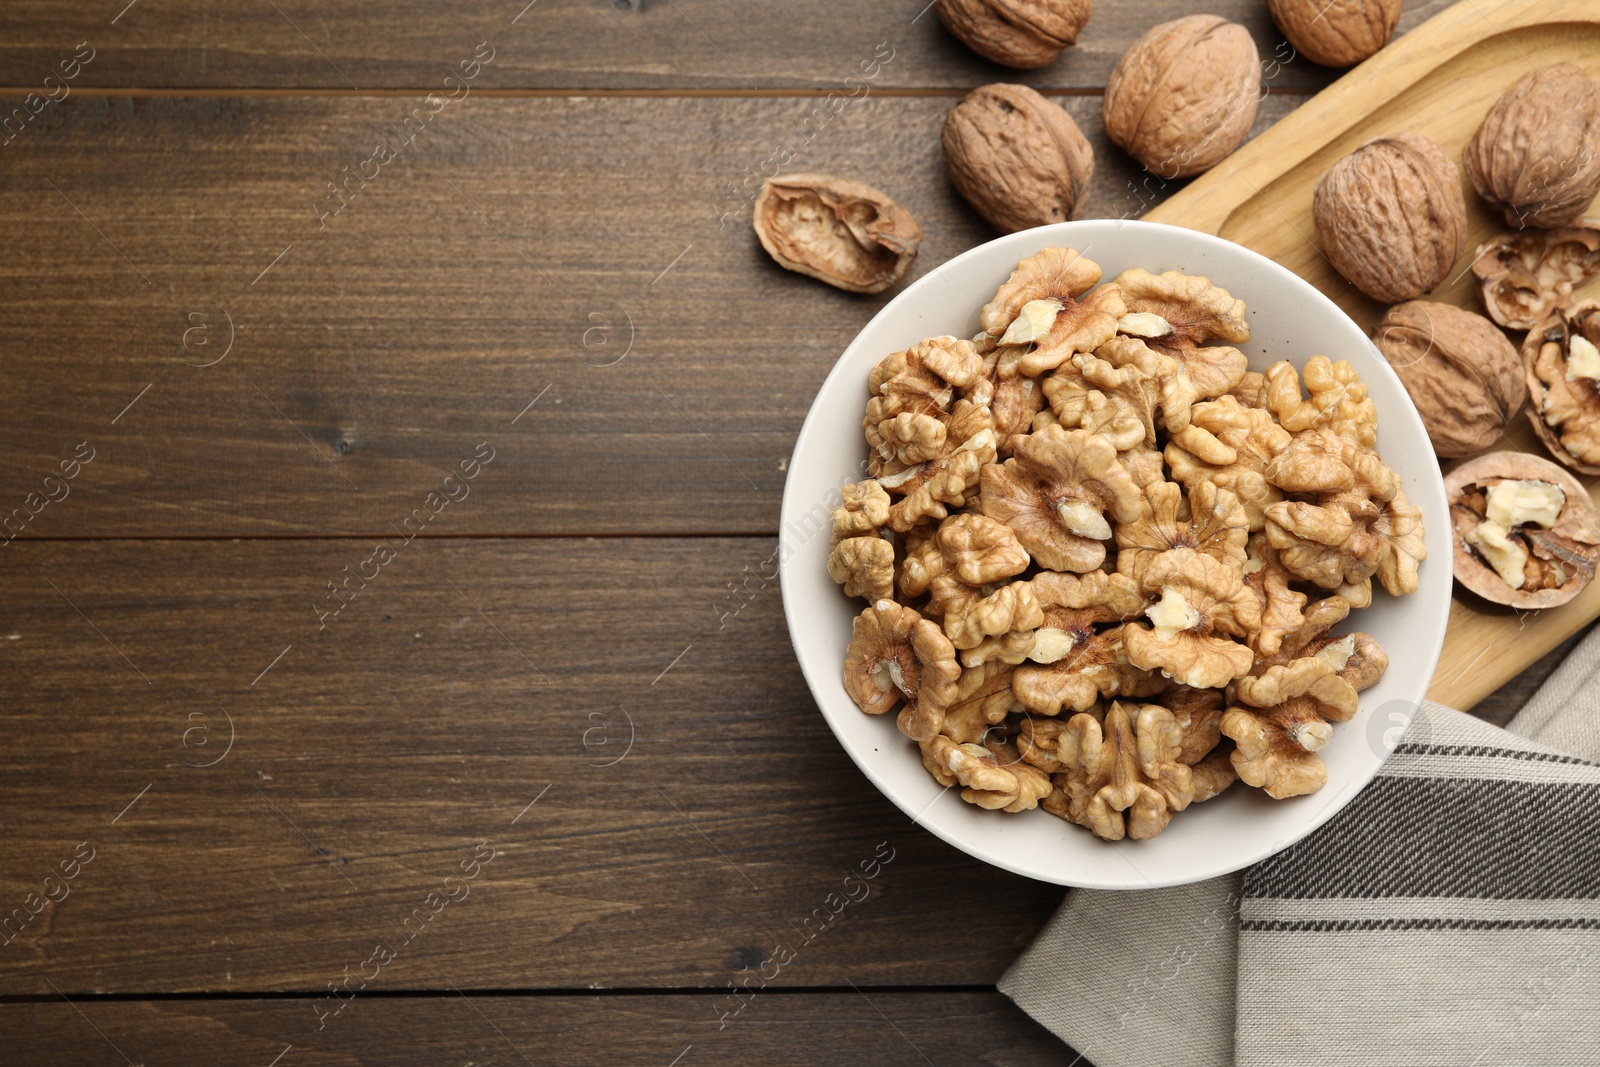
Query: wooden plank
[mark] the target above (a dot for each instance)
(1440, 81)
(888, 1028)
(500, 260)
(1503, 704)
(568, 44)
(632, 740)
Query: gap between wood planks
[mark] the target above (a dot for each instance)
(531, 535)
(489, 991)
(735, 94)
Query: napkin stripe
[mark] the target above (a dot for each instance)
(1335, 925)
(1509, 840)
(1448, 916)
(1488, 750)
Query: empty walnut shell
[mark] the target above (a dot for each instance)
(1464, 376)
(1562, 558)
(1016, 33)
(1526, 276)
(1536, 156)
(1017, 158)
(1391, 216)
(1184, 95)
(843, 232)
(1337, 34)
(1561, 361)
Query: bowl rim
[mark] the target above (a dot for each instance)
(1028, 242)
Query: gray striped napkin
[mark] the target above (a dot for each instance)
(1449, 916)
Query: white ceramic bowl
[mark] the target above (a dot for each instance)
(1289, 319)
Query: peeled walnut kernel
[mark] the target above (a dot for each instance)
(1464, 376)
(993, 775)
(1121, 777)
(1525, 277)
(1561, 362)
(1184, 96)
(1336, 33)
(895, 654)
(1017, 158)
(1016, 33)
(1181, 315)
(1527, 532)
(1391, 216)
(1029, 568)
(1536, 156)
(842, 232)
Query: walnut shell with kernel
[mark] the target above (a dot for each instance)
(842, 232)
(1536, 156)
(1561, 361)
(1184, 96)
(1337, 34)
(1527, 532)
(1464, 376)
(1017, 158)
(1525, 276)
(1391, 216)
(1016, 33)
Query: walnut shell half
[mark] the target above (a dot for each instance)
(1526, 276)
(1391, 216)
(1536, 156)
(1184, 96)
(1017, 158)
(1553, 553)
(1016, 33)
(1561, 358)
(1340, 33)
(843, 232)
(1464, 376)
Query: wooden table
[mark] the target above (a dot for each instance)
(398, 678)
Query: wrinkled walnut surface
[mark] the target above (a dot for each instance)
(1336, 33)
(1184, 95)
(1391, 216)
(1536, 156)
(846, 233)
(1462, 373)
(1016, 33)
(1017, 158)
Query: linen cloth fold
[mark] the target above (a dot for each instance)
(1449, 916)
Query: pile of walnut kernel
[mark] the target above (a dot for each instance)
(1103, 560)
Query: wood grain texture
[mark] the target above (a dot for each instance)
(869, 1026)
(568, 44)
(1503, 704)
(369, 758)
(1439, 81)
(583, 252)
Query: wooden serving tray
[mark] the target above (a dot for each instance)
(1440, 80)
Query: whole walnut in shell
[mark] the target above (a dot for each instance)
(1527, 533)
(1463, 375)
(1184, 95)
(1016, 33)
(843, 232)
(1536, 156)
(1391, 216)
(1338, 33)
(1017, 158)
